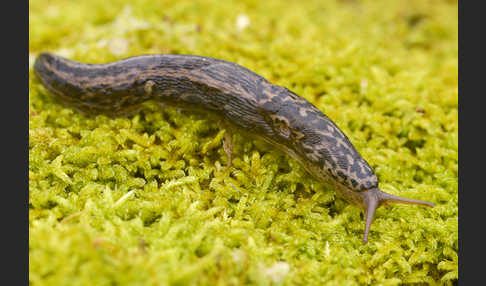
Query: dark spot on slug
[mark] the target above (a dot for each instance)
(341, 174)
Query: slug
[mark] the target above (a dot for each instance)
(240, 96)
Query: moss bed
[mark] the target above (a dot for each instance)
(145, 200)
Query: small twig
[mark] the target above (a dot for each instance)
(71, 216)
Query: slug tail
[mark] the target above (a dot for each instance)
(375, 197)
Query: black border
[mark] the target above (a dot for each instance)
(15, 120)
(471, 123)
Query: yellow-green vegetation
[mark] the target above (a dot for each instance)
(145, 200)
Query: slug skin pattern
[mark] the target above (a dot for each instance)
(237, 94)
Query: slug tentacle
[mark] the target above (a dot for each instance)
(236, 94)
(375, 197)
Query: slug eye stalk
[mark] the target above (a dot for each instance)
(374, 198)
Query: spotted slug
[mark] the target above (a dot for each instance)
(240, 96)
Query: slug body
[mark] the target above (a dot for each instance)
(239, 95)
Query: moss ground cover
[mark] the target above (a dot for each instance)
(145, 200)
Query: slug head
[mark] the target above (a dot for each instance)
(373, 198)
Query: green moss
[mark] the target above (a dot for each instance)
(145, 200)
